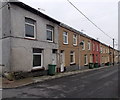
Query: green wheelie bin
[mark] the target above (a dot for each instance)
(96, 65)
(51, 69)
(91, 65)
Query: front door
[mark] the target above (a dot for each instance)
(62, 61)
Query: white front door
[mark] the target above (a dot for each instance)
(62, 61)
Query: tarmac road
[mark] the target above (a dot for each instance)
(101, 83)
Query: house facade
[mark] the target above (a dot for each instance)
(105, 56)
(96, 51)
(68, 48)
(30, 39)
(86, 56)
(116, 57)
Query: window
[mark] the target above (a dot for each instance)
(108, 51)
(65, 37)
(83, 46)
(50, 32)
(88, 45)
(74, 39)
(97, 47)
(37, 58)
(85, 59)
(101, 49)
(72, 57)
(30, 28)
(93, 47)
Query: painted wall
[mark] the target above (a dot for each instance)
(6, 30)
(21, 56)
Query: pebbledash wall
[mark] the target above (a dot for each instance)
(18, 50)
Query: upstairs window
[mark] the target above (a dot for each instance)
(97, 47)
(50, 32)
(74, 39)
(30, 30)
(65, 37)
(83, 46)
(88, 45)
(93, 47)
(101, 49)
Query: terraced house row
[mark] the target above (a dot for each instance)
(32, 40)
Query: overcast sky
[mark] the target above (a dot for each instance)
(104, 13)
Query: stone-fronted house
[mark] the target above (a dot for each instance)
(68, 48)
(85, 45)
(29, 38)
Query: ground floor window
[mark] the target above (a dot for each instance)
(37, 58)
(85, 59)
(91, 58)
(72, 57)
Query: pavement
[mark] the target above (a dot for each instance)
(6, 84)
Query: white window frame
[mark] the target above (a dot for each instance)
(64, 35)
(50, 31)
(101, 49)
(73, 53)
(93, 47)
(83, 46)
(108, 51)
(89, 46)
(26, 23)
(86, 58)
(97, 47)
(41, 60)
(75, 38)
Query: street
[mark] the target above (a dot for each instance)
(102, 83)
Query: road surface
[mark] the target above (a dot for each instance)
(102, 83)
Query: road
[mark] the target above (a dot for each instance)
(102, 83)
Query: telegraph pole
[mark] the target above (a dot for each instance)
(113, 51)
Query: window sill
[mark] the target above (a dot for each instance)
(73, 63)
(37, 68)
(85, 64)
(74, 44)
(28, 38)
(65, 43)
(50, 41)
